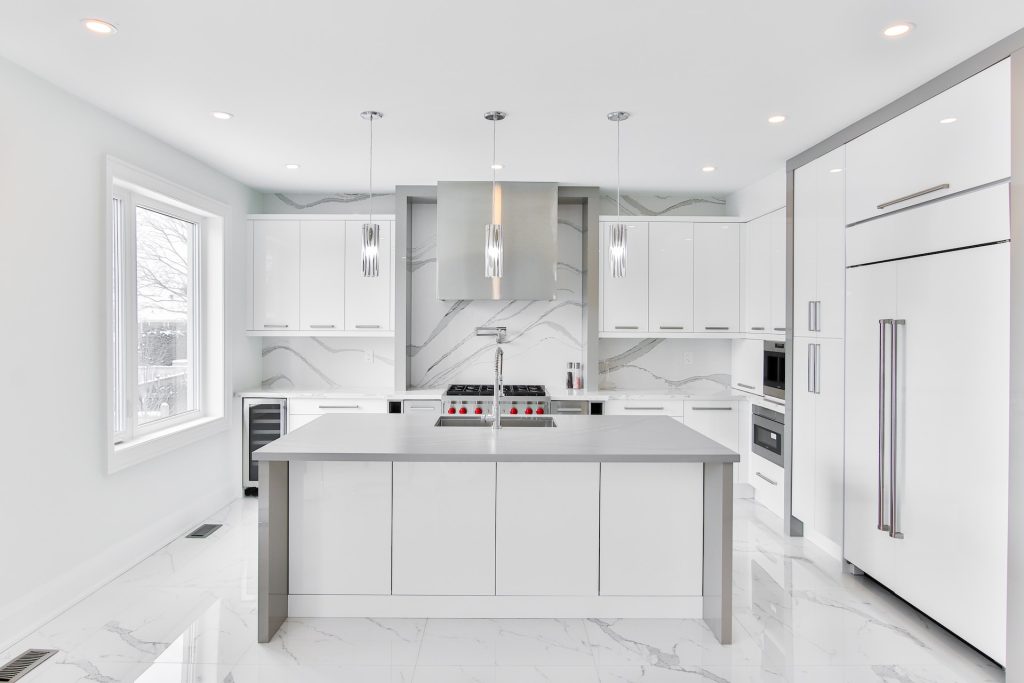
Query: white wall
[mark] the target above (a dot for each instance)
(73, 525)
(757, 199)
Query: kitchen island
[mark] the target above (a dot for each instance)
(572, 516)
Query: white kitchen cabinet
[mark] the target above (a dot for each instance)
(757, 281)
(777, 220)
(322, 289)
(623, 406)
(717, 420)
(624, 300)
(916, 157)
(716, 277)
(340, 528)
(651, 522)
(443, 532)
(748, 365)
(671, 277)
(767, 479)
(547, 528)
(275, 275)
(368, 300)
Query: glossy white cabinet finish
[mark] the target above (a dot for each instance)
(340, 528)
(322, 277)
(757, 275)
(917, 154)
(777, 220)
(748, 365)
(716, 277)
(368, 300)
(275, 275)
(670, 284)
(443, 533)
(717, 420)
(624, 300)
(624, 406)
(767, 479)
(321, 406)
(547, 528)
(651, 526)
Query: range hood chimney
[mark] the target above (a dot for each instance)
(529, 219)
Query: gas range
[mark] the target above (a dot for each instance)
(478, 399)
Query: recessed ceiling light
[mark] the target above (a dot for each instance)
(104, 28)
(897, 30)
(497, 167)
(835, 170)
(778, 118)
(948, 119)
(708, 169)
(222, 115)
(291, 167)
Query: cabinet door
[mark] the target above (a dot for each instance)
(831, 247)
(322, 287)
(340, 528)
(757, 252)
(917, 154)
(806, 185)
(275, 275)
(804, 429)
(778, 268)
(748, 365)
(671, 277)
(443, 536)
(547, 525)
(625, 299)
(643, 505)
(828, 440)
(716, 420)
(716, 277)
(367, 299)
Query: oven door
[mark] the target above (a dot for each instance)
(766, 437)
(774, 375)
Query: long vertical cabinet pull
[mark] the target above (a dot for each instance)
(810, 368)
(893, 434)
(882, 324)
(810, 316)
(817, 316)
(817, 368)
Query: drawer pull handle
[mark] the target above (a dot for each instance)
(644, 407)
(274, 325)
(770, 481)
(779, 329)
(627, 327)
(745, 386)
(716, 328)
(367, 327)
(569, 410)
(913, 195)
(322, 327)
(430, 408)
(672, 327)
(711, 408)
(352, 407)
(757, 329)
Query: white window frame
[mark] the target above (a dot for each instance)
(132, 443)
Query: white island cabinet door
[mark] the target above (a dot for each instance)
(716, 277)
(652, 526)
(671, 277)
(323, 276)
(547, 528)
(624, 300)
(367, 299)
(275, 275)
(340, 528)
(443, 535)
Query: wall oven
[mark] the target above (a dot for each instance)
(766, 429)
(775, 369)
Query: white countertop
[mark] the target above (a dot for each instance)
(576, 438)
(556, 394)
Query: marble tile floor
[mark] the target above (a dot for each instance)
(187, 614)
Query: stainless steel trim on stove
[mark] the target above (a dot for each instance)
(913, 195)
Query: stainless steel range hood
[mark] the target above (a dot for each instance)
(529, 219)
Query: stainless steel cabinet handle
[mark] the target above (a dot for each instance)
(810, 368)
(367, 327)
(273, 325)
(627, 327)
(745, 386)
(322, 327)
(817, 316)
(716, 328)
(571, 410)
(882, 324)
(430, 408)
(672, 327)
(817, 368)
(711, 408)
(757, 329)
(810, 316)
(913, 195)
(779, 329)
(643, 407)
(338, 407)
(770, 481)
(893, 431)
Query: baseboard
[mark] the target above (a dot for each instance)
(51, 599)
(823, 542)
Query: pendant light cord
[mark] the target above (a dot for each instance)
(618, 169)
(371, 169)
(494, 161)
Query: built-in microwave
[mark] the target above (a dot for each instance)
(766, 434)
(775, 369)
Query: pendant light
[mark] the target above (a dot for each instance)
(371, 230)
(494, 250)
(617, 230)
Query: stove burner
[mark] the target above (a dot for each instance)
(488, 390)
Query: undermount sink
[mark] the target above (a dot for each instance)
(539, 421)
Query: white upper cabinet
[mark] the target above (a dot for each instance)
(716, 277)
(777, 220)
(955, 141)
(624, 300)
(367, 299)
(322, 294)
(671, 277)
(757, 258)
(275, 275)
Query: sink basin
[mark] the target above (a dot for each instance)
(539, 421)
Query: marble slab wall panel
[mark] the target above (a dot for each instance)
(542, 335)
(687, 365)
(310, 363)
(337, 202)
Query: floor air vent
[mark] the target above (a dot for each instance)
(23, 663)
(201, 531)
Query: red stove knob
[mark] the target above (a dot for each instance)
(451, 411)
(479, 410)
(462, 410)
(540, 411)
(529, 411)
(513, 411)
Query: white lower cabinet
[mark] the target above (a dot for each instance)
(340, 528)
(767, 479)
(651, 525)
(547, 528)
(717, 420)
(620, 406)
(443, 529)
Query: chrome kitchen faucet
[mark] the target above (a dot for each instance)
(499, 357)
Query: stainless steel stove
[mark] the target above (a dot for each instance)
(478, 399)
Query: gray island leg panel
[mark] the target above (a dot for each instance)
(718, 550)
(272, 604)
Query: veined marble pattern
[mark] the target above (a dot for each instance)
(646, 204)
(338, 202)
(327, 362)
(698, 365)
(187, 613)
(542, 335)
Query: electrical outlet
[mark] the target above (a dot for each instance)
(368, 356)
(688, 357)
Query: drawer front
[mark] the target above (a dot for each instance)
(560, 407)
(644, 407)
(766, 478)
(323, 406)
(421, 407)
(717, 420)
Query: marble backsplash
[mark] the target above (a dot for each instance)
(330, 363)
(687, 365)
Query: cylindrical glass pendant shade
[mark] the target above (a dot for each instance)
(493, 250)
(617, 249)
(371, 250)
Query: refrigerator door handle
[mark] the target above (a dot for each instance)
(894, 531)
(882, 324)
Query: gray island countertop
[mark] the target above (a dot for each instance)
(575, 438)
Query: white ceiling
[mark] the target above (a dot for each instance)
(700, 77)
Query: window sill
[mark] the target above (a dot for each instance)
(152, 445)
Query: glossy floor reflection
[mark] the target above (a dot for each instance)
(187, 615)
